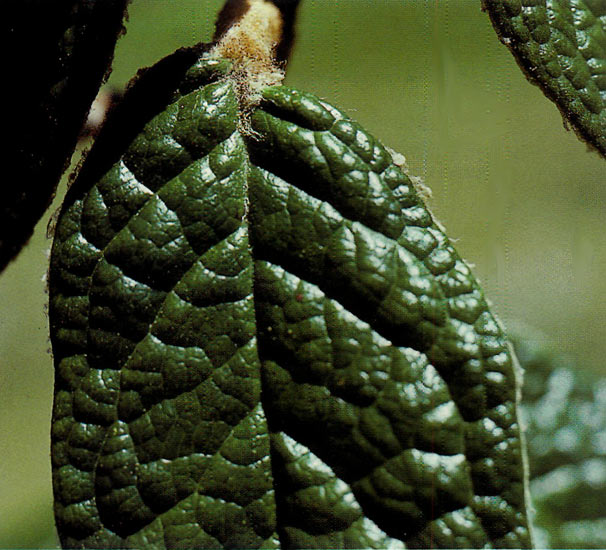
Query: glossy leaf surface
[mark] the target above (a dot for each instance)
(265, 341)
(561, 46)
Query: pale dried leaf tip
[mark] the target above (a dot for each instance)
(421, 187)
(250, 44)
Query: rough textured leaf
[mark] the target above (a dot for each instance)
(565, 412)
(59, 54)
(561, 46)
(265, 341)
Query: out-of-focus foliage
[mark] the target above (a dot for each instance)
(564, 409)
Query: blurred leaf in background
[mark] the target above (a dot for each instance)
(431, 79)
(564, 409)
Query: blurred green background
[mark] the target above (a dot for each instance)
(523, 198)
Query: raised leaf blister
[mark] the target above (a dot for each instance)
(262, 339)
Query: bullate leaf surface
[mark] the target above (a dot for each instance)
(561, 46)
(263, 340)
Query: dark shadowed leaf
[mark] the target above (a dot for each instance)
(58, 53)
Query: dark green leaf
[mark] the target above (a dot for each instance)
(565, 413)
(262, 339)
(561, 46)
(58, 53)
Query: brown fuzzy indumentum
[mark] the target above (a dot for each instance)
(248, 34)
